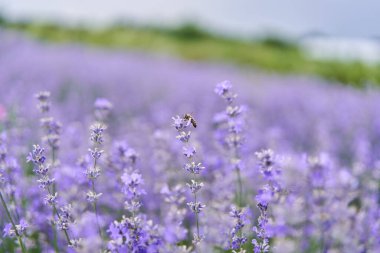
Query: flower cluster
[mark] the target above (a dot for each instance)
(174, 230)
(266, 195)
(261, 244)
(229, 128)
(230, 122)
(51, 127)
(103, 108)
(241, 219)
(134, 233)
(270, 169)
(62, 216)
(65, 218)
(303, 205)
(43, 101)
(9, 195)
(93, 171)
(319, 201)
(223, 89)
(132, 190)
(41, 169)
(97, 130)
(10, 231)
(182, 125)
(10, 174)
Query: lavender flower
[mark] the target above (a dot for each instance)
(269, 168)
(52, 130)
(173, 229)
(132, 185)
(93, 171)
(223, 89)
(238, 239)
(232, 138)
(51, 127)
(319, 199)
(266, 195)
(51, 136)
(65, 218)
(195, 186)
(93, 197)
(37, 156)
(103, 108)
(194, 168)
(134, 233)
(327, 207)
(97, 130)
(196, 207)
(261, 244)
(43, 99)
(9, 176)
(12, 229)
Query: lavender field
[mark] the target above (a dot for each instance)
(109, 151)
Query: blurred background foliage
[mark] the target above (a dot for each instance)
(272, 54)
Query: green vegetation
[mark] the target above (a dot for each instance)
(190, 42)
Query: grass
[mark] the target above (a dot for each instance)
(190, 42)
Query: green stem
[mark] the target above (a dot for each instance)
(12, 199)
(96, 209)
(55, 234)
(55, 212)
(53, 165)
(239, 191)
(240, 195)
(195, 201)
(52, 155)
(196, 215)
(240, 188)
(13, 224)
(65, 231)
(196, 218)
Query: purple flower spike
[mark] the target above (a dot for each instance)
(182, 125)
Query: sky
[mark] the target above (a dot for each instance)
(343, 18)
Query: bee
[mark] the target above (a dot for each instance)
(188, 116)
